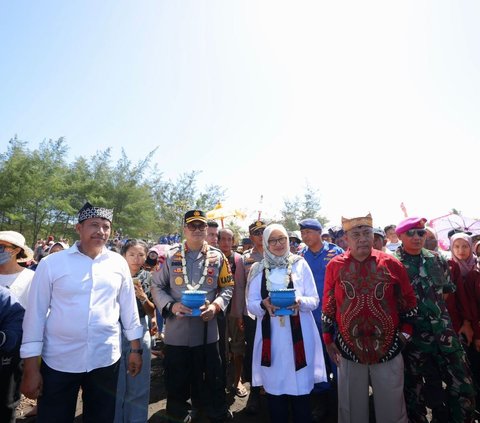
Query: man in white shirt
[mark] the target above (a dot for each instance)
(76, 301)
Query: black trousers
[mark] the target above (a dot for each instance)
(250, 326)
(278, 406)
(222, 332)
(60, 391)
(194, 372)
(10, 377)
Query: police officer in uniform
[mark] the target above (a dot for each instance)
(192, 363)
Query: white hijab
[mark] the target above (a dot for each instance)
(269, 258)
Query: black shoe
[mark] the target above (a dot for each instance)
(227, 417)
(253, 403)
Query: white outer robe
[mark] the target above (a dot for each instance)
(281, 378)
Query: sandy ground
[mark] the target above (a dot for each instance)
(156, 408)
(157, 403)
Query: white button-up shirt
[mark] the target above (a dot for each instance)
(75, 303)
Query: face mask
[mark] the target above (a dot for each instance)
(5, 257)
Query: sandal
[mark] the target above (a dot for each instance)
(32, 412)
(241, 391)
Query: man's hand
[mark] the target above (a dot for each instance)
(179, 310)
(32, 381)
(208, 311)
(467, 330)
(134, 364)
(334, 353)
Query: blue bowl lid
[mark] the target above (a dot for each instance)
(199, 292)
(287, 290)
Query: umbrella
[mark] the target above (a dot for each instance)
(444, 224)
(221, 213)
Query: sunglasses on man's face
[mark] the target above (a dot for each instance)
(196, 226)
(258, 232)
(419, 232)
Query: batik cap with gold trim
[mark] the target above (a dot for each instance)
(258, 224)
(348, 224)
(192, 215)
(88, 212)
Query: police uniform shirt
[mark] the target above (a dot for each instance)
(169, 283)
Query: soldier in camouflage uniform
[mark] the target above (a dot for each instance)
(435, 354)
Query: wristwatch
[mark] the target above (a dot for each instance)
(137, 351)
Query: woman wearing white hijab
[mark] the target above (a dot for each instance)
(287, 352)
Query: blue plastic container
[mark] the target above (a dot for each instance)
(194, 300)
(283, 298)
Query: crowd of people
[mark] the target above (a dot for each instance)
(377, 321)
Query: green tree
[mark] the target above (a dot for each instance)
(291, 213)
(173, 199)
(40, 193)
(238, 232)
(296, 209)
(35, 179)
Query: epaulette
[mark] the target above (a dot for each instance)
(211, 247)
(173, 247)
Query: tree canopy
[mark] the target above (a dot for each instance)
(297, 208)
(41, 192)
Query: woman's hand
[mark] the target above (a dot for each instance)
(269, 307)
(153, 326)
(295, 307)
(139, 292)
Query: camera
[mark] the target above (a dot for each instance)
(152, 259)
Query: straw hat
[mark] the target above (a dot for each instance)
(18, 240)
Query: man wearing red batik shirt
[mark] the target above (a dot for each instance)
(369, 304)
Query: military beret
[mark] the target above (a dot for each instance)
(310, 224)
(410, 223)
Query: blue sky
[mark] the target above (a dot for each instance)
(371, 103)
